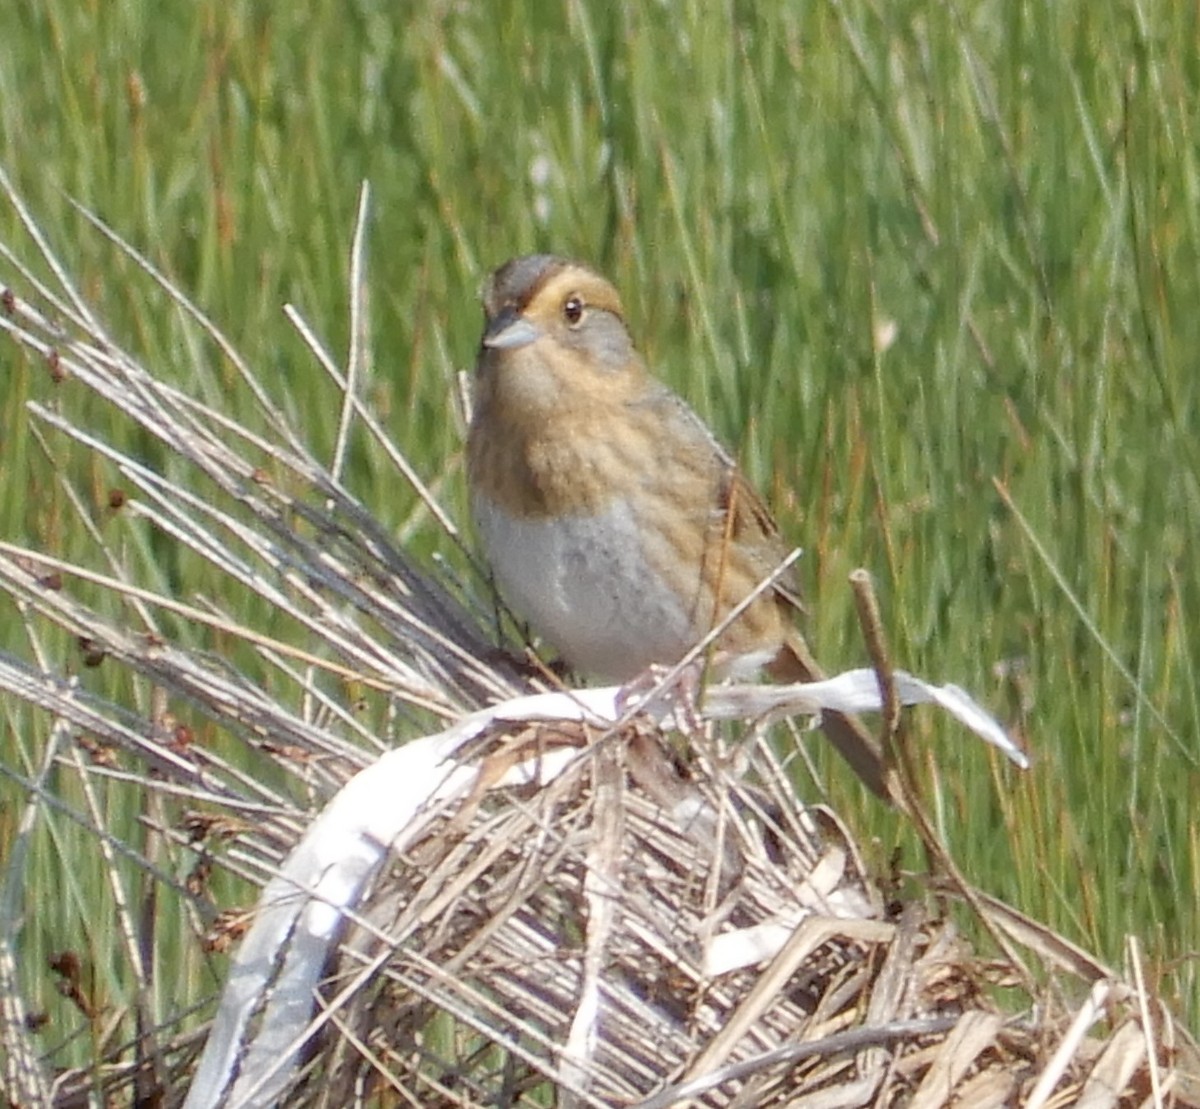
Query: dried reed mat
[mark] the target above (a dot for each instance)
(578, 899)
(625, 920)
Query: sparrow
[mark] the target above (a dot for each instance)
(614, 521)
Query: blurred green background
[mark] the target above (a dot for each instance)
(932, 270)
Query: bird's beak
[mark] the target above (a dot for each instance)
(509, 330)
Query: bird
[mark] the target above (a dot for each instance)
(613, 520)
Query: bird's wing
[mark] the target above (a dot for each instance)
(743, 513)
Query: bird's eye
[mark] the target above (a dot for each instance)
(573, 309)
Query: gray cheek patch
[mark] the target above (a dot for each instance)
(603, 338)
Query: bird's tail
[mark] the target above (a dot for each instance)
(854, 743)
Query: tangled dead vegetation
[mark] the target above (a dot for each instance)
(646, 932)
(580, 907)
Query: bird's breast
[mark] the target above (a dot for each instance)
(584, 582)
(571, 464)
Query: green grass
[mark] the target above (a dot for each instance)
(1014, 186)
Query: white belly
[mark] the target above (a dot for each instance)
(583, 583)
